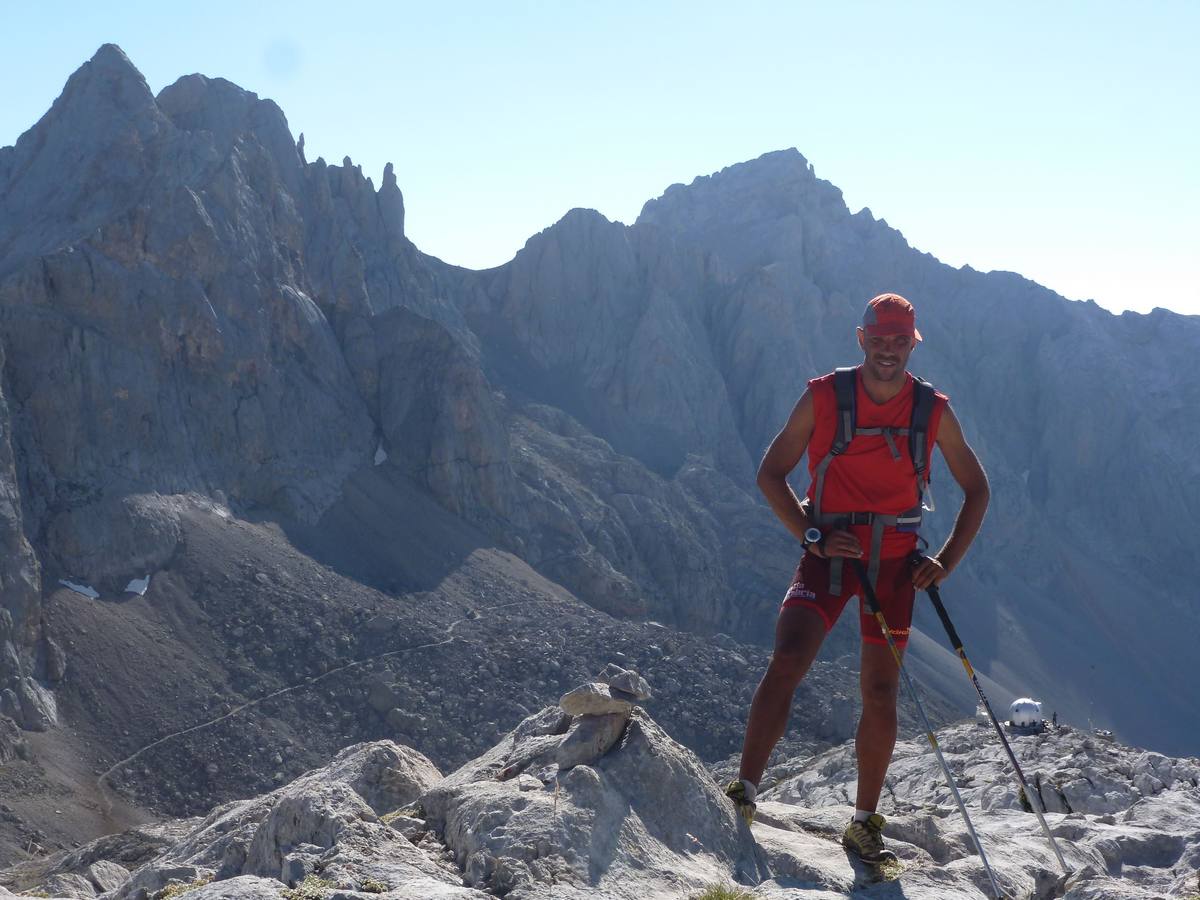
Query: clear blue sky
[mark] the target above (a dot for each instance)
(1059, 140)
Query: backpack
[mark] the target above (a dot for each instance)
(846, 392)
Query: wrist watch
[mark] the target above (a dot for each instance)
(812, 536)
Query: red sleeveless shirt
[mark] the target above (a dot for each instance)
(865, 477)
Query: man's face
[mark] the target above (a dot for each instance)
(886, 354)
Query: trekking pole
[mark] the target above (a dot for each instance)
(1038, 807)
(873, 603)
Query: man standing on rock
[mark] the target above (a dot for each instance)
(863, 428)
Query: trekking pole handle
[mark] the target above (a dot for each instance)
(936, 596)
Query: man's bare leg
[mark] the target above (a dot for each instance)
(876, 738)
(799, 632)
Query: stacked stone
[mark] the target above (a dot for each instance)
(600, 711)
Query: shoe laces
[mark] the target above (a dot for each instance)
(872, 832)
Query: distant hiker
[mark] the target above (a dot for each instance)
(863, 429)
(1054, 718)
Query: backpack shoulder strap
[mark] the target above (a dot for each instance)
(845, 389)
(918, 429)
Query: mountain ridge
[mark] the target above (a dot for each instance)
(228, 319)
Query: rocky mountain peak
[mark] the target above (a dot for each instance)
(106, 93)
(752, 213)
(197, 104)
(109, 68)
(780, 178)
(88, 156)
(579, 228)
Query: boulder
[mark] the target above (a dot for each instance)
(243, 887)
(67, 885)
(106, 875)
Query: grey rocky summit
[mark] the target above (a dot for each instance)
(641, 817)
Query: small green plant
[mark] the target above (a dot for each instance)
(1025, 804)
(371, 886)
(413, 810)
(723, 892)
(174, 890)
(311, 888)
(889, 871)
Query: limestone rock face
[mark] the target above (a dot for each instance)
(20, 579)
(182, 298)
(439, 417)
(174, 345)
(631, 542)
(614, 313)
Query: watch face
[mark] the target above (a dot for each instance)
(812, 535)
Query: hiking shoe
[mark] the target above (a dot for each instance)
(865, 839)
(736, 791)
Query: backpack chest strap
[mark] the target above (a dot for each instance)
(889, 435)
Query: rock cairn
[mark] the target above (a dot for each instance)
(593, 718)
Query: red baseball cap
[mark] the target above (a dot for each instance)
(890, 314)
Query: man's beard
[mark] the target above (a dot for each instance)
(886, 372)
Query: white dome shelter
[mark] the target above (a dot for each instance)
(1026, 713)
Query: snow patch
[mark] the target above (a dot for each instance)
(85, 589)
(138, 586)
(380, 455)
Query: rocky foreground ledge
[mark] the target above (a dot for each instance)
(591, 799)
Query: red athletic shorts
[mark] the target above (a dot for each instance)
(894, 590)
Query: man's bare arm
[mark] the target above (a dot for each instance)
(964, 466)
(781, 457)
